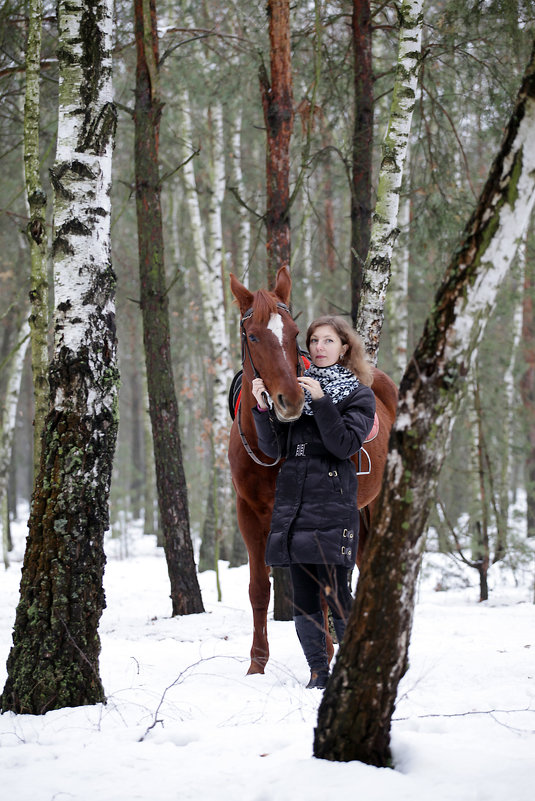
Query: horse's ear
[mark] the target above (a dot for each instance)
(283, 285)
(241, 293)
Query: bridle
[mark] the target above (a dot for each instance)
(246, 353)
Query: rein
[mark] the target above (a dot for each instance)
(246, 352)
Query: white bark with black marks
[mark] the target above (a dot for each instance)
(376, 274)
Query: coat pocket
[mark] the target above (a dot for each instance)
(276, 553)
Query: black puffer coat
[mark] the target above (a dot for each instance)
(315, 518)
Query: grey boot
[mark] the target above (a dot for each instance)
(311, 635)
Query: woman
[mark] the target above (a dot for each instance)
(314, 527)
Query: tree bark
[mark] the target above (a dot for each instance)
(36, 229)
(384, 226)
(210, 272)
(7, 425)
(362, 148)
(277, 102)
(527, 391)
(398, 292)
(510, 384)
(163, 407)
(54, 659)
(355, 714)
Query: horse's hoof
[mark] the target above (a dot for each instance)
(255, 668)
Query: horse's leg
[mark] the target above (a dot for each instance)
(259, 592)
(254, 532)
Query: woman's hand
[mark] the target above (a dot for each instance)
(258, 388)
(313, 386)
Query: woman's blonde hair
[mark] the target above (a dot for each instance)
(355, 356)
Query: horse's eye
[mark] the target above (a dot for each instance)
(253, 338)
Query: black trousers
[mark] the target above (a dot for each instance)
(309, 580)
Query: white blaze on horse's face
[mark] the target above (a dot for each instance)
(276, 325)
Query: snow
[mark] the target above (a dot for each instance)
(183, 721)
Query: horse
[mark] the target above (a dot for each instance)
(270, 349)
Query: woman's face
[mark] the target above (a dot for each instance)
(325, 346)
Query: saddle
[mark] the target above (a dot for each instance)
(234, 394)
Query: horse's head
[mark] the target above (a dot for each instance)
(269, 343)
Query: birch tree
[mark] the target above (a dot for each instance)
(244, 231)
(384, 225)
(511, 402)
(208, 256)
(54, 661)
(398, 294)
(15, 363)
(355, 715)
(36, 229)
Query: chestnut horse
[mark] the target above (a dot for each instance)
(270, 350)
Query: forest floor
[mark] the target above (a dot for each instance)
(183, 721)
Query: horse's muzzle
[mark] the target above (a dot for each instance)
(287, 412)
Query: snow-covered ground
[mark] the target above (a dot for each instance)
(183, 721)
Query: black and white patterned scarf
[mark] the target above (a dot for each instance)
(336, 381)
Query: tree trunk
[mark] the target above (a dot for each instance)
(244, 234)
(384, 227)
(163, 407)
(277, 102)
(210, 273)
(36, 230)
(135, 483)
(362, 148)
(54, 659)
(398, 293)
(510, 384)
(7, 425)
(527, 391)
(356, 711)
(150, 517)
(481, 541)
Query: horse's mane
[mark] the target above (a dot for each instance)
(264, 305)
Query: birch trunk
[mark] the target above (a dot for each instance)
(210, 272)
(244, 235)
(511, 394)
(214, 307)
(7, 423)
(398, 294)
(384, 226)
(36, 228)
(163, 408)
(54, 661)
(356, 711)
